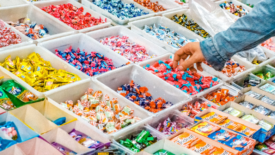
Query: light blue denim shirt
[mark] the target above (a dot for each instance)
(246, 33)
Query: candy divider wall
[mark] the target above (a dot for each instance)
(114, 18)
(83, 42)
(13, 150)
(78, 5)
(11, 3)
(122, 31)
(170, 56)
(138, 26)
(56, 63)
(56, 28)
(67, 94)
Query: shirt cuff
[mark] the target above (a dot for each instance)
(211, 55)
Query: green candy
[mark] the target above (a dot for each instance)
(142, 136)
(162, 152)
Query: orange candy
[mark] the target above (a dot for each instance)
(220, 97)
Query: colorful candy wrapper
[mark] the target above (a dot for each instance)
(213, 117)
(270, 144)
(254, 94)
(7, 36)
(233, 112)
(18, 91)
(265, 125)
(268, 88)
(221, 151)
(84, 139)
(169, 127)
(238, 143)
(220, 97)
(59, 121)
(237, 10)
(163, 152)
(268, 100)
(245, 130)
(5, 101)
(155, 6)
(203, 148)
(262, 110)
(205, 128)
(247, 104)
(261, 147)
(251, 118)
(9, 135)
(185, 139)
(192, 109)
(272, 114)
(64, 150)
(229, 124)
(221, 136)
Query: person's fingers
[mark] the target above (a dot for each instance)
(187, 63)
(181, 53)
(199, 66)
(193, 69)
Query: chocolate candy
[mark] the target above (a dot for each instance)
(123, 46)
(90, 63)
(120, 9)
(237, 10)
(171, 126)
(169, 37)
(191, 109)
(155, 6)
(39, 73)
(105, 114)
(189, 82)
(262, 110)
(138, 142)
(220, 97)
(269, 44)
(254, 94)
(30, 29)
(191, 25)
(7, 36)
(64, 150)
(73, 16)
(247, 104)
(140, 96)
(84, 140)
(231, 68)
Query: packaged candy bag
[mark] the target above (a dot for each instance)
(222, 136)
(5, 101)
(245, 130)
(18, 91)
(203, 148)
(254, 94)
(265, 125)
(59, 121)
(9, 135)
(233, 112)
(204, 128)
(251, 118)
(185, 139)
(213, 117)
(247, 104)
(221, 151)
(229, 124)
(84, 139)
(237, 143)
(64, 150)
(262, 110)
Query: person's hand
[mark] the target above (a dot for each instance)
(193, 50)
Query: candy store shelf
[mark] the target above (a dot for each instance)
(238, 82)
(156, 87)
(84, 43)
(58, 97)
(123, 31)
(89, 4)
(56, 28)
(78, 5)
(170, 56)
(56, 63)
(138, 26)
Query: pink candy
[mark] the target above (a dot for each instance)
(123, 46)
(269, 44)
(7, 36)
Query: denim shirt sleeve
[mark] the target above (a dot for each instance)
(246, 33)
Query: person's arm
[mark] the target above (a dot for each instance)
(246, 33)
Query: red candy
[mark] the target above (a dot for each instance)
(73, 16)
(7, 36)
(189, 82)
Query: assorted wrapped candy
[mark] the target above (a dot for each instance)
(137, 142)
(268, 88)
(269, 44)
(251, 118)
(169, 37)
(189, 82)
(191, 109)
(30, 29)
(191, 25)
(73, 16)
(8, 135)
(39, 73)
(220, 97)
(231, 68)
(233, 112)
(250, 81)
(268, 100)
(155, 6)
(64, 150)
(84, 139)
(105, 114)
(109, 149)
(265, 75)
(123, 46)
(253, 94)
(237, 10)
(247, 104)
(262, 110)
(171, 126)
(120, 9)
(140, 96)
(90, 63)
(7, 36)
